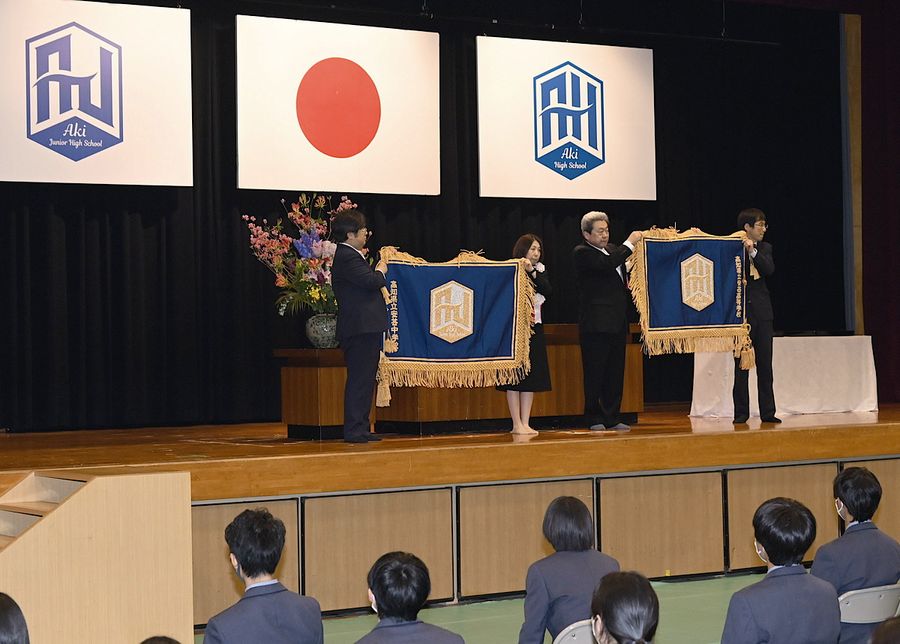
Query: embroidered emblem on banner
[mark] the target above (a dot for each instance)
(74, 99)
(452, 311)
(697, 287)
(569, 135)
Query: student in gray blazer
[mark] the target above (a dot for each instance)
(399, 584)
(268, 613)
(864, 556)
(558, 588)
(788, 606)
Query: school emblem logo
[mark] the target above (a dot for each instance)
(568, 120)
(452, 311)
(74, 91)
(697, 287)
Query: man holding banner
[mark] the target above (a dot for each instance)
(602, 320)
(752, 221)
(362, 319)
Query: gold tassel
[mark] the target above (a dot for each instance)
(383, 391)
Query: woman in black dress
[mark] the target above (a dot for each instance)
(520, 396)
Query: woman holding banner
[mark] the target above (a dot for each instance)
(520, 396)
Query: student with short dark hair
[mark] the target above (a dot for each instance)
(399, 585)
(13, 629)
(888, 632)
(788, 606)
(863, 556)
(624, 609)
(268, 612)
(558, 588)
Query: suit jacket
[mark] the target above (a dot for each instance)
(862, 558)
(558, 591)
(787, 607)
(357, 288)
(394, 631)
(759, 302)
(602, 295)
(267, 615)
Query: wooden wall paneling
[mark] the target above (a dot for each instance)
(887, 518)
(663, 525)
(500, 532)
(216, 587)
(344, 535)
(747, 489)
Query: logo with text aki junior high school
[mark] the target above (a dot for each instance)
(74, 99)
(568, 120)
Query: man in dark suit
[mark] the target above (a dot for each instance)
(788, 606)
(602, 319)
(362, 320)
(268, 613)
(864, 556)
(399, 584)
(758, 254)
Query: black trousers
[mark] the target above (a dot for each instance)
(603, 367)
(361, 353)
(761, 336)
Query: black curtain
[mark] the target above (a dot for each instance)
(137, 306)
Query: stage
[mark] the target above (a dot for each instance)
(459, 500)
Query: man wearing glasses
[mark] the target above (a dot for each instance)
(760, 265)
(362, 319)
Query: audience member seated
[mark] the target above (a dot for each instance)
(160, 639)
(624, 610)
(399, 584)
(268, 613)
(558, 588)
(887, 633)
(13, 629)
(788, 606)
(864, 556)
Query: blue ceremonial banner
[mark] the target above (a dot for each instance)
(463, 323)
(689, 292)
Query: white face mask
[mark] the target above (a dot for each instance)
(759, 551)
(374, 607)
(839, 507)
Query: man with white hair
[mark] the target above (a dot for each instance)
(603, 319)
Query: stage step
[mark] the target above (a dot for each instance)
(34, 508)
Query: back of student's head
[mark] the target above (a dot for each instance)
(256, 539)
(785, 528)
(887, 633)
(160, 639)
(627, 608)
(400, 583)
(13, 629)
(568, 524)
(859, 490)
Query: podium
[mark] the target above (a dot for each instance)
(312, 394)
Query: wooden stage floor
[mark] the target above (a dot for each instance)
(258, 460)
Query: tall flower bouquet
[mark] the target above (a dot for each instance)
(301, 264)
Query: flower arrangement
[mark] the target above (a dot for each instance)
(301, 264)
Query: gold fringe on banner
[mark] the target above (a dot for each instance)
(658, 342)
(472, 373)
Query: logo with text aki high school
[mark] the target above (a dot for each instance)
(74, 84)
(568, 120)
(452, 309)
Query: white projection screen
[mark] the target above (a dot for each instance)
(95, 93)
(336, 107)
(565, 120)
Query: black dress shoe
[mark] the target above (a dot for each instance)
(739, 420)
(771, 419)
(372, 438)
(356, 439)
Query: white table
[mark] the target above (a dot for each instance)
(811, 375)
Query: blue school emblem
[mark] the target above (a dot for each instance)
(568, 120)
(74, 91)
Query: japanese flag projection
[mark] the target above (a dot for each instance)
(337, 107)
(565, 120)
(95, 93)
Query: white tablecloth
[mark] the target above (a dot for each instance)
(810, 375)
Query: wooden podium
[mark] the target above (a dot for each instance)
(312, 393)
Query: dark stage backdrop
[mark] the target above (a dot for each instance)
(138, 306)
